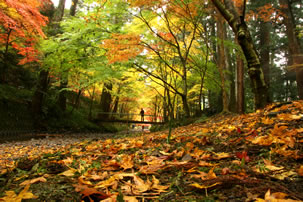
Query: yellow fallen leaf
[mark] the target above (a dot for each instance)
(127, 162)
(204, 186)
(140, 185)
(283, 175)
(32, 181)
(130, 199)
(156, 185)
(81, 180)
(222, 155)
(69, 173)
(267, 121)
(10, 196)
(275, 197)
(270, 166)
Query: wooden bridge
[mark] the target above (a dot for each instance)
(127, 118)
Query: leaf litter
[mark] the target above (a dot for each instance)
(251, 157)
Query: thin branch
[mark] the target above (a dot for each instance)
(159, 78)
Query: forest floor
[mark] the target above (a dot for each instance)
(252, 157)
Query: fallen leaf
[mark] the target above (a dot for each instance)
(82, 180)
(87, 192)
(275, 197)
(204, 186)
(243, 155)
(222, 155)
(269, 165)
(267, 121)
(141, 186)
(69, 173)
(10, 196)
(225, 171)
(32, 181)
(127, 162)
(300, 170)
(130, 199)
(206, 164)
(156, 185)
(186, 157)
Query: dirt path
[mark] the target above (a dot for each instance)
(33, 145)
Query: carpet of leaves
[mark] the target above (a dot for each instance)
(251, 157)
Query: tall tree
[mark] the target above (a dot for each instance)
(239, 27)
(43, 80)
(64, 77)
(221, 60)
(294, 46)
(21, 25)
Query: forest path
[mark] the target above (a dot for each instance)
(31, 145)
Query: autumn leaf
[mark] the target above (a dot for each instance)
(32, 181)
(300, 171)
(86, 191)
(275, 197)
(243, 155)
(10, 196)
(69, 173)
(221, 155)
(127, 162)
(267, 121)
(204, 186)
(156, 185)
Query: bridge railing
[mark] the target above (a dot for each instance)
(128, 116)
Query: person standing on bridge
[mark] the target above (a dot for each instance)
(142, 114)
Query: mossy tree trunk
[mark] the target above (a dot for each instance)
(242, 33)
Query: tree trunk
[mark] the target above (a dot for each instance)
(38, 98)
(294, 45)
(59, 13)
(91, 104)
(265, 52)
(73, 7)
(42, 85)
(106, 100)
(242, 33)
(221, 60)
(240, 85)
(62, 99)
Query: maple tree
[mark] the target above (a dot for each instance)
(22, 24)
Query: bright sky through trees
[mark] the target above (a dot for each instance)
(67, 4)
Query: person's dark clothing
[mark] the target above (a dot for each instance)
(142, 114)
